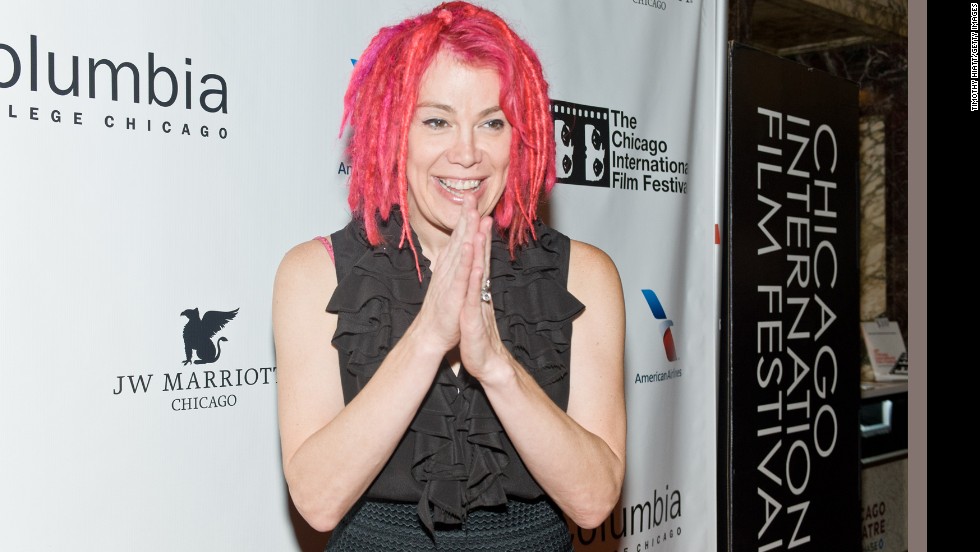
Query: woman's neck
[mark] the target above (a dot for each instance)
(433, 242)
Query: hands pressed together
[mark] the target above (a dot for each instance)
(453, 309)
(333, 450)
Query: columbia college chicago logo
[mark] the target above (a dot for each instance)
(199, 332)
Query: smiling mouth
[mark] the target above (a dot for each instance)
(459, 187)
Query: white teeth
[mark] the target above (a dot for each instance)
(456, 186)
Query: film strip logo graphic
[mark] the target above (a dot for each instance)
(581, 144)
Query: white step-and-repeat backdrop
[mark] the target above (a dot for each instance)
(158, 159)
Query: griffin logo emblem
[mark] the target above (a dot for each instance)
(199, 331)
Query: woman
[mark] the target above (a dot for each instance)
(432, 393)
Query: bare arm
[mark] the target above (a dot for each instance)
(577, 457)
(330, 452)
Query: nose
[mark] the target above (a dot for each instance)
(464, 151)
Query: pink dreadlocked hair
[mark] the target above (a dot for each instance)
(380, 103)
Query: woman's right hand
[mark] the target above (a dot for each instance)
(331, 451)
(446, 295)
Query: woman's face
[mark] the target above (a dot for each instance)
(458, 144)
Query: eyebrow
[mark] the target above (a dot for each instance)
(449, 109)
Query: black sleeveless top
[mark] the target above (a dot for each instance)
(455, 456)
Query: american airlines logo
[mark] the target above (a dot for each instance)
(665, 323)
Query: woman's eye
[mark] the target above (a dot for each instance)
(496, 124)
(435, 123)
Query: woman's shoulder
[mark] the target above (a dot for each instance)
(591, 270)
(308, 266)
(310, 253)
(585, 257)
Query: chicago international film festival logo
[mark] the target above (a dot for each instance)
(581, 143)
(610, 148)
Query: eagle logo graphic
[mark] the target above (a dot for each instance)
(198, 333)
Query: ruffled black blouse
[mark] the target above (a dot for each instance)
(455, 456)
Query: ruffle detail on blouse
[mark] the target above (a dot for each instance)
(533, 308)
(380, 296)
(459, 455)
(460, 448)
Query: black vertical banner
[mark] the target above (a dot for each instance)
(791, 465)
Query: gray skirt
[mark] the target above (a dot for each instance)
(537, 526)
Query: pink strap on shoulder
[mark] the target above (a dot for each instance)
(326, 243)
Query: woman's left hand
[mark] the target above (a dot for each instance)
(481, 350)
(576, 455)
